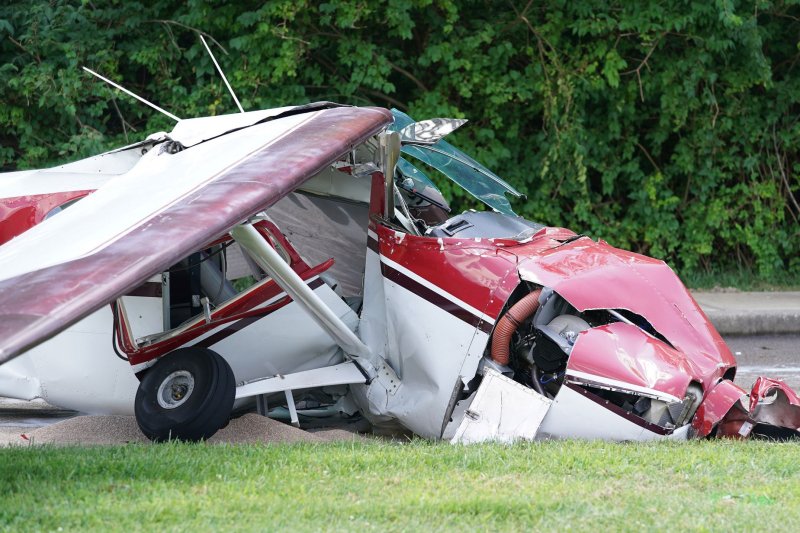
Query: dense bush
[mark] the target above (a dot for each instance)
(670, 128)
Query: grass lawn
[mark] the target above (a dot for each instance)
(422, 486)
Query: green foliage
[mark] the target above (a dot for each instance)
(667, 128)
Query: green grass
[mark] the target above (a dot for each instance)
(420, 486)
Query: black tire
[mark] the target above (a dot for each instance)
(197, 390)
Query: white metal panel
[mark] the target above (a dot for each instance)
(284, 341)
(423, 343)
(145, 313)
(84, 175)
(18, 379)
(76, 369)
(373, 327)
(191, 131)
(572, 415)
(331, 182)
(503, 411)
(682, 433)
(341, 374)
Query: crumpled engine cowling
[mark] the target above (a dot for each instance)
(773, 403)
(772, 411)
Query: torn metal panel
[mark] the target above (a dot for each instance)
(625, 353)
(771, 411)
(426, 348)
(718, 402)
(430, 131)
(577, 413)
(594, 275)
(502, 411)
(426, 333)
(773, 403)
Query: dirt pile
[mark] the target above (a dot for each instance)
(90, 429)
(256, 428)
(116, 429)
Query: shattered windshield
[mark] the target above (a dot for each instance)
(416, 182)
(473, 177)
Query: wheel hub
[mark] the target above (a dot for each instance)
(175, 389)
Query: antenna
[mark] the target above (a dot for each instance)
(126, 91)
(228, 85)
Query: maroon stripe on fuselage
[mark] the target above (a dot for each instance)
(239, 325)
(372, 244)
(435, 298)
(639, 421)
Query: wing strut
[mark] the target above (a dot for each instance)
(272, 263)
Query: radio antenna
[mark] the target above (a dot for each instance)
(228, 85)
(126, 91)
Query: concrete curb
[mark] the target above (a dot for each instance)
(752, 313)
(761, 324)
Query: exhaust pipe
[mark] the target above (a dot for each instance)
(519, 313)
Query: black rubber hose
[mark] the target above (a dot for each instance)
(537, 385)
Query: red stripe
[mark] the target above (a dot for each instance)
(241, 324)
(21, 213)
(435, 298)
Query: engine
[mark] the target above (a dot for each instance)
(534, 338)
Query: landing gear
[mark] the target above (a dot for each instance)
(187, 395)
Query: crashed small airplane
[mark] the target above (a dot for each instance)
(302, 257)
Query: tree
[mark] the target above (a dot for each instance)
(666, 128)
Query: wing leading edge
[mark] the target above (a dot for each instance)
(135, 227)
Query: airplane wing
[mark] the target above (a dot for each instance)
(167, 206)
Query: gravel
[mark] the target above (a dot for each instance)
(117, 429)
(256, 428)
(90, 429)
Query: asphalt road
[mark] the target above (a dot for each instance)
(774, 356)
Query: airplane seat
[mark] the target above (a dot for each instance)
(217, 288)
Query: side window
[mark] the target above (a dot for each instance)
(56, 210)
(218, 273)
